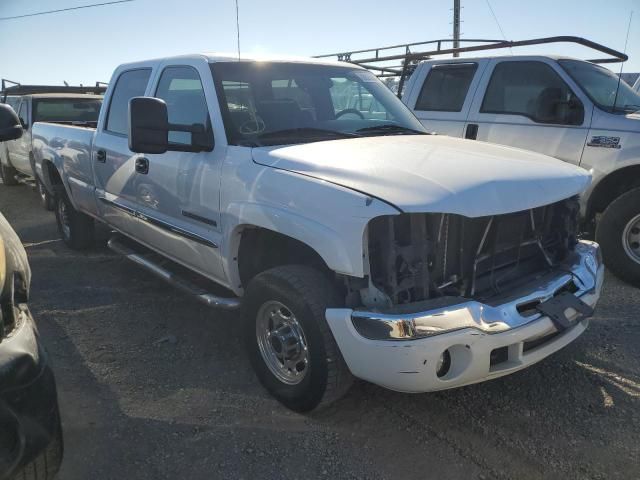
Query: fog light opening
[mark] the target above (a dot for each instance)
(444, 364)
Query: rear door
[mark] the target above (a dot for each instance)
(442, 96)
(113, 162)
(530, 104)
(178, 195)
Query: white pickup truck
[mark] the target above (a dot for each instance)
(356, 243)
(16, 159)
(570, 109)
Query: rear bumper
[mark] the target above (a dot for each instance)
(486, 341)
(29, 416)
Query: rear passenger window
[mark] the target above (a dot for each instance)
(446, 87)
(129, 84)
(533, 90)
(182, 91)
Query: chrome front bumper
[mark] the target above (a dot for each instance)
(401, 351)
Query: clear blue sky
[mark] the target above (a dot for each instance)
(86, 45)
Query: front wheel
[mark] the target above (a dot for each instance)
(618, 233)
(76, 229)
(288, 339)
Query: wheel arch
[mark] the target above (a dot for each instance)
(611, 187)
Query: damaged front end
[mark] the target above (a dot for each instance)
(417, 257)
(451, 300)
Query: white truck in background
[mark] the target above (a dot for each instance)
(556, 106)
(70, 105)
(356, 243)
(576, 111)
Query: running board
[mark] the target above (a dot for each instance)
(149, 262)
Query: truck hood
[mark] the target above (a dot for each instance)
(420, 173)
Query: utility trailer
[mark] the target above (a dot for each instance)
(575, 110)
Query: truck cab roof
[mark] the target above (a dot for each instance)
(213, 57)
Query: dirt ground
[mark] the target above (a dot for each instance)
(153, 385)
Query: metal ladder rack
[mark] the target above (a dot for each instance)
(379, 59)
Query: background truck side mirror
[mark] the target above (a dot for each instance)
(10, 127)
(148, 125)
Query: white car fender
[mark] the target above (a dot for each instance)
(328, 218)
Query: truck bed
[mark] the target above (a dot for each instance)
(67, 147)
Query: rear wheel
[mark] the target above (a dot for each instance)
(288, 340)
(76, 229)
(618, 233)
(8, 175)
(46, 199)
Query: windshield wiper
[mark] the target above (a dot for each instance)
(303, 133)
(391, 128)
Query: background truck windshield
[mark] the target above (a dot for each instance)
(600, 84)
(66, 110)
(284, 103)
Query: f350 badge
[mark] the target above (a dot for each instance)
(604, 142)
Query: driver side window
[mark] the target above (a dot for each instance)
(181, 89)
(533, 90)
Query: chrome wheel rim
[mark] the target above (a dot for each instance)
(63, 215)
(282, 342)
(631, 239)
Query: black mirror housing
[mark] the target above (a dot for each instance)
(10, 127)
(148, 125)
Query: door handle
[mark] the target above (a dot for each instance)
(101, 156)
(142, 165)
(471, 132)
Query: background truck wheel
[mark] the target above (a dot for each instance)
(618, 233)
(46, 199)
(76, 229)
(8, 175)
(288, 340)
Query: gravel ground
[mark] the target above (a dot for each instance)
(153, 385)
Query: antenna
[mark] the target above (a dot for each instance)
(615, 99)
(238, 27)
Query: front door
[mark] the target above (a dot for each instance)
(527, 104)
(178, 192)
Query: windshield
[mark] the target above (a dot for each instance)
(61, 110)
(285, 103)
(601, 85)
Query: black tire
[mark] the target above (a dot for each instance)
(610, 232)
(47, 200)
(76, 229)
(8, 175)
(47, 464)
(307, 293)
